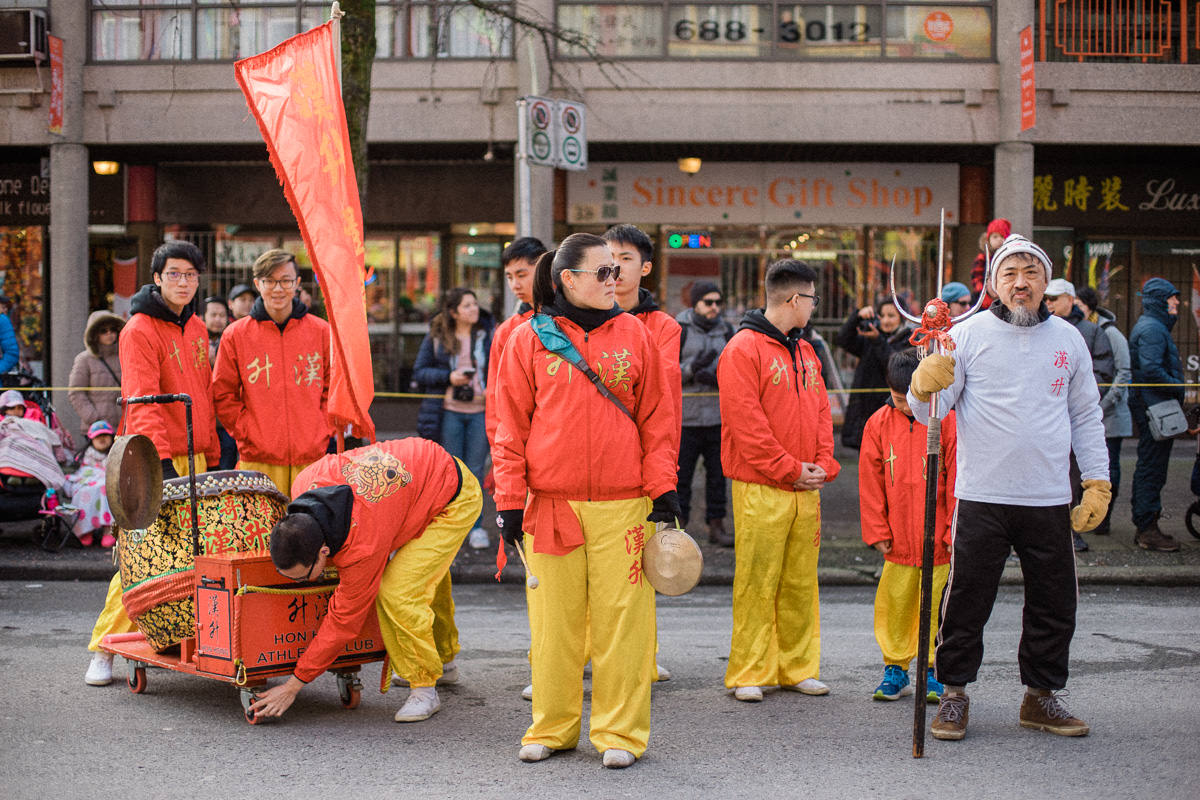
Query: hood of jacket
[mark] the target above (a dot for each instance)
(1155, 293)
(258, 311)
(756, 320)
(689, 317)
(646, 302)
(149, 301)
(91, 332)
(331, 507)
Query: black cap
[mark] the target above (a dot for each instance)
(239, 290)
(701, 288)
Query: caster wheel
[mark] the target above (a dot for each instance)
(1192, 519)
(349, 689)
(248, 698)
(137, 679)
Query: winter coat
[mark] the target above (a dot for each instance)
(97, 366)
(10, 349)
(431, 374)
(774, 409)
(665, 333)
(871, 373)
(702, 340)
(1153, 354)
(1097, 344)
(1114, 401)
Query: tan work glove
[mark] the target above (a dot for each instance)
(1092, 506)
(934, 373)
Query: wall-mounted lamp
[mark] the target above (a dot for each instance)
(689, 165)
(105, 167)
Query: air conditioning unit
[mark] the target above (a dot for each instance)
(22, 34)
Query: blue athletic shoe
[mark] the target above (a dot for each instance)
(933, 689)
(895, 684)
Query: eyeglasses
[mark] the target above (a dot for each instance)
(603, 273)
(285, 283)
(181, 277)
(708, 302)
(815, 298)
(307, 576)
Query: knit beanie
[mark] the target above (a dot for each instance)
(1000, 226)
(1017, 244)
(701, 288)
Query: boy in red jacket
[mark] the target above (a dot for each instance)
(777, 446)
(891, 495)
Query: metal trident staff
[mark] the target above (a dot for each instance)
(931, 337)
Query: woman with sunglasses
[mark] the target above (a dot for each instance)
(576, 470)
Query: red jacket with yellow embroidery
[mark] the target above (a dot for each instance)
(891, 485)
(499, 339)
(399, 487)
(270, 387)
(665, 332)
(559, 438)
(162, 353)
(774, 410)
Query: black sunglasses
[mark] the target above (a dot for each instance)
(708, 302)
(603, 273)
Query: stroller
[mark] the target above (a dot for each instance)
(22, 495)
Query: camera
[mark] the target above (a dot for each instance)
(868, 325)
(463, 394)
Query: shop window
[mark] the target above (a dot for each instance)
(22, 256)
(625, 30)
(934, 32)
(830, 31)
(227, 33)
(722, 31)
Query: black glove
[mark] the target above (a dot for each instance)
(705, 358)
(666, 508)
(168, 469)
(707, 376)
(510, 523)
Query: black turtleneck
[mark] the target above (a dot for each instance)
(586, 318)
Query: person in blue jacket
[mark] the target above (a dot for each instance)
(1153, 358)
(10, 350)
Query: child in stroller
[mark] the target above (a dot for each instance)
(31, 454)
(86, 487)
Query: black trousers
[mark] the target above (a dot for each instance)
(983, 534)
(697, 441)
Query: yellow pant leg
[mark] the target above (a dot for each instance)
(557, 643)
(897, 608)
(445, 631)
(282, 475)
(113, 618)
(410, 581)
(776, 624)
(622, 623)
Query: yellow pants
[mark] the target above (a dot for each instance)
(281, 474)
(113, 618)
(897, 608)
(603, 576)
(776, 610)
(411, 580)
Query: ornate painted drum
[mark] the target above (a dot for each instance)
(236, 511)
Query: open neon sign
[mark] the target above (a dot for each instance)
(694, 240)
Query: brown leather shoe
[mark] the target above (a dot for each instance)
(1151, 538)
(717, 534)
(1046, 712)
(951, 719)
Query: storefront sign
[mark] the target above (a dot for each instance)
(731, 193)
(690, 240)
(24, 195)
(1117, 198)
(1028, 87)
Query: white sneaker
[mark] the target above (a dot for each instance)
(477, 539)
(449, 677)
(421, 704)
(99, 672)
(748, 694)
(664, 674)
(810, 686)
(527, 693)
(534, 752)
(618, 759)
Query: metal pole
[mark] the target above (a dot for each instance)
(524, 178)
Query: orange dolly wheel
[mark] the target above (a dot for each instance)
(349, 689)
(136, 677)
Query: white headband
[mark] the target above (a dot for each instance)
(1016, 243)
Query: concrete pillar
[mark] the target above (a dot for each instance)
(69, 169)
(533, 77)
(1013, 186)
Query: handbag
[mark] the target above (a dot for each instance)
(1166, 420)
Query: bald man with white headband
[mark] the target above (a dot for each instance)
(1020, 381)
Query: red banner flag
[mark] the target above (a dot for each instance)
(56, 84)
(1028, 87)
(294, 94)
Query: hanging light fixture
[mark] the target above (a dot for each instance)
(105, 167)
(689, 165)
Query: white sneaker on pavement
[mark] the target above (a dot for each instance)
(748, 694)
(421, 704)
(449, 677)
(664, 674)
(477, 539)
(810, 686)
(534, 752)
(99, 672)
(527, 693)
(618, 759)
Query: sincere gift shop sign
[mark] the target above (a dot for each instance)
(734, 193)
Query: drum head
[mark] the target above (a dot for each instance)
(133, 481)
(672, 562)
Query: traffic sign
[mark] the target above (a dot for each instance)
(571, 128)
(538, 141)
(554, 133)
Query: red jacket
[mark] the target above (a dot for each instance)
(665, 332)
(160, 356)
(270, 387)
(891, 485)
(399, 487)
(558, 438)
(499, 340)
(774, 410)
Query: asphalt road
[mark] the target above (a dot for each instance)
(1134, 665)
